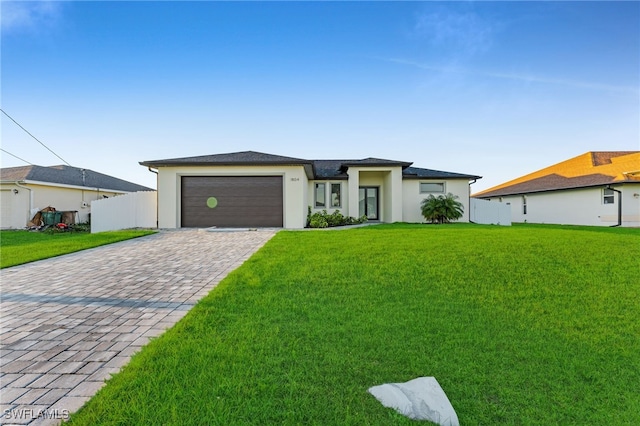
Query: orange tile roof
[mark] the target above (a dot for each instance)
(589, 169)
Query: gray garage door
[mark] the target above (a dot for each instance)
(232, 201)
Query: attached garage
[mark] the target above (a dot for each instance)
(231, 201)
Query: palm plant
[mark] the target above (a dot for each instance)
(441, 209)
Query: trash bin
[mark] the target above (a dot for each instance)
(51, 218)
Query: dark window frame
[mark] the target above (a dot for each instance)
(443, 184)
(366, 212)
(608, 196)
(316, 203)
(332, 186)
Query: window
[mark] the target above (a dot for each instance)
(320, 195)
(426, 187)
(524, 204)
(335, 195)
(608, 196)
(336, 200)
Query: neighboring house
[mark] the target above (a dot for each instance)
(253, 189)
(600, 188)
(27, 189)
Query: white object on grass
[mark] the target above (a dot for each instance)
(418, 399)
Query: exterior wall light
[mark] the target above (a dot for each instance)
(15, 191)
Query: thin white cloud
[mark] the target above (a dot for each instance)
(435, 68)
(28, 16)
(526, 78)
(461, 32)
(563, 82)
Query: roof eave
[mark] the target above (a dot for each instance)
(221, 163)
(309, 168)
(462, 177)
(71, 186)
(509, 194)
(345, 166)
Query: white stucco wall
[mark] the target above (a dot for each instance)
(294, 179)
(377, 179)
(412, 198)
(310, 196)
(630, 205)
(14, 213)
(576, 207)
(389, 182)
(393, 188)
(15, 208)
(399, 199)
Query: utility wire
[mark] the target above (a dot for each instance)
(21, 159)
(11, 118)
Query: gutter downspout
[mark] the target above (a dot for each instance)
(17, 183)
(157, 206)
(619, 206)
(469, 212)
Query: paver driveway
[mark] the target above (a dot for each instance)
(68, 323)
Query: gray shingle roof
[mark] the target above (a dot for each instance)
(233, 158)
(329, 169)
(67, 175)
(321, 169)
(418, 173)
(375, 162)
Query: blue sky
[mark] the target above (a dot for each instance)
(497, 89)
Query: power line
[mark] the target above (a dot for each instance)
(21, 159)
(18, 124)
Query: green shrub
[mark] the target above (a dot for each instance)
(318, 221)
(336, 218)
(82, 227)
(441, 209)
(324, 220)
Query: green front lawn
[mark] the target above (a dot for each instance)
(523, 325)
(18, 247)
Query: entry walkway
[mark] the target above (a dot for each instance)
(68, 323)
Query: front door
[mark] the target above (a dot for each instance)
(368, 201)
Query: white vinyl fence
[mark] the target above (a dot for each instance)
(490, 212)
(133, 210)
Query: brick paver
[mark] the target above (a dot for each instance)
(68, 323)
